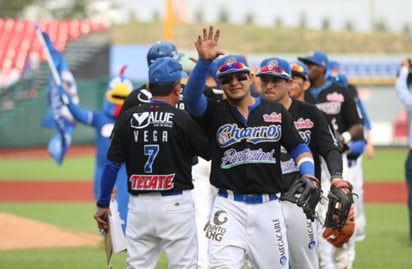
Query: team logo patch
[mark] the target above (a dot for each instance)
(304, 124)
(335, 97)
(273, 117)
(215, 231)
(155, 118)
(152, 182)
(144, 96)
(330, 108)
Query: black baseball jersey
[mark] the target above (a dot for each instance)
(315, 131)
(339, 106)
(142, 95)
(157, 142)
(246, 155)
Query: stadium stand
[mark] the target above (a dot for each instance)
(19, 38)
(20, 48)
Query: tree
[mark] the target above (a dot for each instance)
(250, 18)
(13, 8)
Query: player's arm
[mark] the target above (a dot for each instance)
(324, 140)
(295, 145)
(82, 115)
(193, 94)
(401, 86)
(207, 48)
(353, 119)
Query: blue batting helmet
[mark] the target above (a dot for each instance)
(162, 48)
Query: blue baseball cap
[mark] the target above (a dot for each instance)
(165, 70)
(299, 69)
(276, 67)
(162, 48)
(333, 64)
(232, 63)
(317, 57)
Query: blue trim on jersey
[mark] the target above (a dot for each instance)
(193, 97)
(299, 149)
(108, 180)
(307, 167)
(315, 91)
(356, 148)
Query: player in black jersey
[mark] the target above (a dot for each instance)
(157, 142)
(346, 120)
(245, 135)
(276, 80)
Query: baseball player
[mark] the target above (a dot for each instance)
(245, 136)
(157, 142)
(277, 77)
(355, 151)
(203, 192)
(405, 96)
(103, 121)
(162, 48)
(346, 120)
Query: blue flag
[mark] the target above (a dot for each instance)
(58, 115)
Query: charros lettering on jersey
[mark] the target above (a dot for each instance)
(152, 182)
(229, 134)
(304, 127)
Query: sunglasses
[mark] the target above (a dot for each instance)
(297, 68)
(232, 66)
(228, 79)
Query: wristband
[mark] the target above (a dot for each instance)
(102, 205)
(306, 166)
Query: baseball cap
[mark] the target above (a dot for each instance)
(162, 48)
(299, 69)
(232, 63)
(317, 57)
(333, 64)
(165, 70)
(275, 66)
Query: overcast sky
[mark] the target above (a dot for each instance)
(395, 13)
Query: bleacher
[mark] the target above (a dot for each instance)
(19, 38)
(77, 39)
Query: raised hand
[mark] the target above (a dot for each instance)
(207, 44)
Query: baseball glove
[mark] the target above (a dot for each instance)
(306, 193)
(340, 217)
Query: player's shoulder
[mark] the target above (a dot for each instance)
(299, 108)
(265, 103)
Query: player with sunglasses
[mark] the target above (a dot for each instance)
(245, 136)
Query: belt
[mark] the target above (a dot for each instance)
(247, 198)
(160, 193)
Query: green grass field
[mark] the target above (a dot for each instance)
(386, 244)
